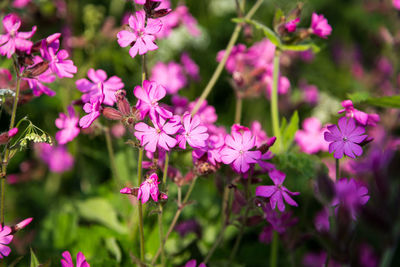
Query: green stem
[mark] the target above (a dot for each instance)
(273, 261)
(238, 110)
(4, 164)
(337, 169)
(175, 219)
(140, 209)
(111, 156)
(160, 214)
(274, 101)
(220, 67)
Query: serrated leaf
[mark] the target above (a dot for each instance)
(34, 261)
(385, 101)
(269, 33)
(112, 246)
(290, 131)
(301, 47)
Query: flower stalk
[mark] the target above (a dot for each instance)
(274, 101)
(273, 261)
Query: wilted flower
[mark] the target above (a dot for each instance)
(13, 39)
(5, 238)
(67, 260)
(149, 188)
(68, 125)
(345, 139)
(320, 26)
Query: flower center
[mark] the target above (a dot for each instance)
(345, 139)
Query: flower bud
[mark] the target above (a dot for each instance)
(112, 114)
(21, 225)
(36, 69)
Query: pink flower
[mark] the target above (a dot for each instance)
(140, 35)
(67, 260)
(150, 137)
(396, 4)
(93, 108)
(360, 116)
(142, 2)
(310, 94)
(237, 151)
(292, 25)
(58, 62)
(192, 132)
(170, 75)
(277, 192)
(345, 139)
(22, 224)
(148, 97)
(20, 3)
(190, 66)
(320, 26)
(99, 85)
(12, 132)
(57, 158)
(68, 123)
(13, 39)
(193, 263)
(5, 238)
(237, 54)
(149, 188)
(260, 135)
(311, 138)
(212, 149)
(206, 112)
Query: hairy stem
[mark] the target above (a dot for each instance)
(220, 67)
(274, 101)
(160, 214)
(140, 209)
(111, 156)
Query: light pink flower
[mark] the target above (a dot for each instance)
(311, 138)
(170, 75)
(320, 26)
(360, 116)
(192, 132)
(140, 35)
(277, 192)
(292, 25)
(68, 123)
(149, 188)
(237, 151)
(159, 135)
(310, 94)
(5, 238)
(93, 108)
(148, 97)
(57, 158)
(13, 39)
(80, 260)
(98, 85)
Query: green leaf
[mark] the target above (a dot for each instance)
(34, 260)
(385, 101)
(290, 131)
(358, 97)
(112, 246)
(270, 34)
(301, 47)
(100, 210)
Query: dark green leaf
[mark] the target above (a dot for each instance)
(290, 131)
(385, 101)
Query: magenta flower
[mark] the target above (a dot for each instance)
(142, 2)
(13, 39)
(22, 224)
(58, 62)
(292, 25)
(396, 4)
(192, 132)
(170, 75)
(321, 221)
(360, 116)
(20, 3)
(260, 135)
(149, 188)
(67, 260)
(148, 97)
(57, 158)
(237, 151)
(212, 150)
(193, 263)
(277, 192)
(350, 195)
(320, 26)
(5, 238)
(98, 85)
(345, 139)
(150, 137)
(311, 138)
(68, 123)
(93, 108)
(140, 35)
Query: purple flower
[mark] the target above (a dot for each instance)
(192, 132)
(99, 85)
(58, 62)
(5, 239)
(321, 221)
(311, 138)
(140, 35)
(148, 97)
(67, 260)
(277, 192)
(350, 195)
(170, 75)
(159, 135)
(320, 26)
(93, 108)
(68, 123)
(237, 151)
(142, 2)
(190, 66)
(57, 158)
(345, 139)
(292, 25)
(149, 188)
(13, 39)
(360, 116)
(193, 263)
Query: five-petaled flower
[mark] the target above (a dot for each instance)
(5, 239)
(345, 139)
(277, 192)
(149, 188)
(80, 260)
(192, 132)
(140, 35)
(68, 125)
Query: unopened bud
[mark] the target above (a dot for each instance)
(112, 114)
(21, 225)
(267, 144)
